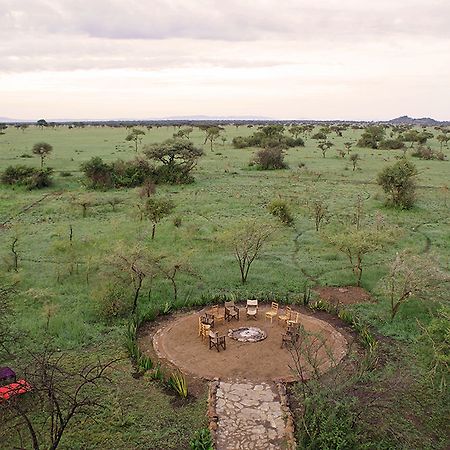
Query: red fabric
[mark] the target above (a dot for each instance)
(10, 390)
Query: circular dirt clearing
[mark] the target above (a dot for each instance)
(178, 342)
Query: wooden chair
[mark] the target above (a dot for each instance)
(283, 318)
(216, 341)
(208, 319)
(273, 312)
(205, 330)
(295, 318)
(231, 311)
(252, 309)
(218, 316)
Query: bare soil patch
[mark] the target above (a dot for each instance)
(176, 342)
(346, 295)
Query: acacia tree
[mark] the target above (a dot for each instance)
(247, 241)
(412, 276)
(42, 149)
(319, 211)
(324, 147)
(131, 266)
(136, 136)
(59, 394)
(212, 133)
(156, 209)
(356, 244)
(178, 158)
(354, 158)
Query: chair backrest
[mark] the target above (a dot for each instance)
(296, 317)
(214, 309)
(229, 304)
(252, 303)
(288, 311)
(213, 334)
(275, 306)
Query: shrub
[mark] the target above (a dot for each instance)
(279, 208)
(98, 173)
(177, 382)
(391, 144)
(398, 182)
(29, 177)
(131, 173)
(202, 440)
(113, 301)
(269, 159)
(424, 152)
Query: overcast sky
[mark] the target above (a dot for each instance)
(318, 59)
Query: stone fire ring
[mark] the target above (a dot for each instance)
(247, 334)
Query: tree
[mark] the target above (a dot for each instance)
(178, 158)
(136, 136)
(59, 395)
(319, 210)
(212, 133)
(269, 159)
(354, 158)
(348, 147)
(324, 147)
(356, 244)
(131, 266)
(247, 241)
(371, 136)
(42, 149)
(398, 182)
(412, 276)
(41, 123)
(156, 209)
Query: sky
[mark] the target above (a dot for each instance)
(284, 59)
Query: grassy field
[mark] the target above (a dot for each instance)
(226, 190)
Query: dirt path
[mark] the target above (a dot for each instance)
(249, 417)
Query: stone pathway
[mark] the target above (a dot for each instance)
(249, 417)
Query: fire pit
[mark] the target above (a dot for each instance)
(247, 334)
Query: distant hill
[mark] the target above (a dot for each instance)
(423, 121)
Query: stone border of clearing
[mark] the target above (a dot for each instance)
(213, 418)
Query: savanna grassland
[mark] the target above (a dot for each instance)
(58, 285)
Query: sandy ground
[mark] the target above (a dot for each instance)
(177, 341)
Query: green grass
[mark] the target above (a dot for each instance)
(225, 192)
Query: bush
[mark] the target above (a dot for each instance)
(117, 174)
(398, 182)
(424, 152)
(30, 177)
(269, 159)
(113, 301)
(264, 140)
(391, 144)
(279, 208)
(177, 382)
(202, 440)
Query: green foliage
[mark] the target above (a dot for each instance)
(427, 153)
(391, 144)
(371, 136)
(202, 440)
(269, 136)
(113, 301)
(178, 383)
(42, 149)
(29, 177)
(269, 159)
(398, 183)
(279, 208)
(117, 174)
(178, 158)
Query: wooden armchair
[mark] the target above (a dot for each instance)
(283, 318)
(252, 309)
(231, 311)
(203, 328)
(295, 318)
(218, 316)
(216, 341)
(273, 312)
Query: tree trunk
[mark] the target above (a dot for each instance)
(153, 230)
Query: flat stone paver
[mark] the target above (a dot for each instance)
(249, 417)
